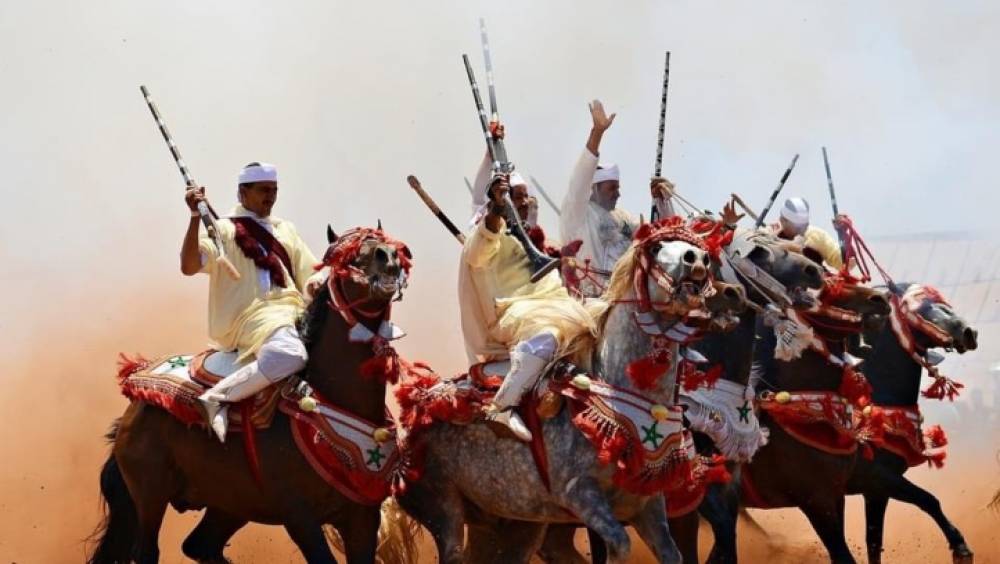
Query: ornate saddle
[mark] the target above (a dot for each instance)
(174, 383)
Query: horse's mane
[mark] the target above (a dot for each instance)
(619, 285)
(314, 317)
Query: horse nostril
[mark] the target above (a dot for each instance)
(812, 271)
(731, 293)
(970, 337)
(698, 273)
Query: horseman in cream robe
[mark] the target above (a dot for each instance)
(589, 210)
(256, 313)
(505, 315)
(793, 224)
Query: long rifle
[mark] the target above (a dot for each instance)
(541, 264)
(429, 202)
(658, 164)
(774, 195)
(207, 215)
(545, 195)
(833, 201)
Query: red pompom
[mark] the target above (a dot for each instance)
(935, 436)
(646, 371)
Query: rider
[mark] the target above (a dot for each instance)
(589, 209)
(793, 225)
(255, 314)
(504, 314)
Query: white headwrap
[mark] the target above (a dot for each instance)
(262, 172)
(606, 172)
(796, 212)
(517, 180)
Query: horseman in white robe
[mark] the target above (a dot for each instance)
(505, 315)
(589, 210)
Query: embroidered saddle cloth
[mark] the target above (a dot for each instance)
(174, 383)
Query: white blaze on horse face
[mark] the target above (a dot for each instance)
(678, 260)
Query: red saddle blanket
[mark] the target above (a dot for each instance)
(174, 383)
(820, 419)
(903, 436)
(649, 448)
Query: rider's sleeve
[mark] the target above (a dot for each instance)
(573, 213)
(482, 182)
(664, 207)
(826, 245)
(482, 245)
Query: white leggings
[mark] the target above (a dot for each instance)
(282, 354)
(543, 345)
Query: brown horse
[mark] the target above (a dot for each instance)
(156, 460)
(788, 472)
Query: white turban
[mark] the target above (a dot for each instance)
(517, 180)
(796, 212)
(606, 172)
(262, 172)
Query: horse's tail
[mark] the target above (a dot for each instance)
(397, 536)
(116, 535)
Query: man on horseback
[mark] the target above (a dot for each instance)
(589, 211)
(255, 314)
(793, 225)
(505, 315)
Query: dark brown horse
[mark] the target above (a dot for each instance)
(156, 460)
(788, 472)
(895, 378)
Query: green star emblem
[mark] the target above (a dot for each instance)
(375, 457)
(177, 362)
(745, 411)
(651, 435)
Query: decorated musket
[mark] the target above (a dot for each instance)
(208, 216)
(541, 264)
(774, 195)
(658, 164)
(833, 201)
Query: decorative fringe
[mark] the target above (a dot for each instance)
(936, 459)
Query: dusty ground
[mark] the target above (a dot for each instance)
(57, 404)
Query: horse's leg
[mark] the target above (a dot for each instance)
(360, 534)
(308, 536)
(651, 525)
(898, 487)
(684, 529)
(440, 511)
(584, 498)
(558, 546)
(503, 542)
(719, 508)
(208, 540)
(827, 518)
(150, 509)
(875, 505)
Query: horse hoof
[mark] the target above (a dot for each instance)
(962, 554)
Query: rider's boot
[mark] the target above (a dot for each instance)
(525, 369)
(239, 385)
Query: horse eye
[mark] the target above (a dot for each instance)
(689, 257)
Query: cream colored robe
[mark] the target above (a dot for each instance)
(499, 304)
(241, 313)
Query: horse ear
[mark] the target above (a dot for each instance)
(330, 235)
(380, 224)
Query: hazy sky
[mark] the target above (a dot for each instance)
(349, 98)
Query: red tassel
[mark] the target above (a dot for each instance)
(943, 387)
(716, 472)
(936, 459)
(935, 436)
(129, 366)
(692, 378)
(855, 387)
(646, 371)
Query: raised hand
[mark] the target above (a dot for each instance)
(661, 188)
(601, 120)
(193, 196)
(729, 215)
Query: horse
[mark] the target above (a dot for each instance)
(472, 475)
(157, 460)
(777, 271)
(923, 320)
(806, 405)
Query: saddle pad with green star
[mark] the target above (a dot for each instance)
(355, 456)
